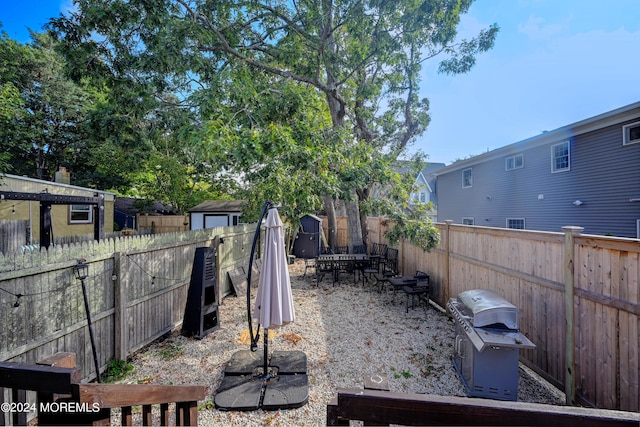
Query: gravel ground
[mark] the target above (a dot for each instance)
(346, 331)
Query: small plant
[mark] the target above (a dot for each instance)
(117, 370)
(403, 374)
(207, 404)
(171, 351)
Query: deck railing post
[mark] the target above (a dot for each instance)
(569, 282)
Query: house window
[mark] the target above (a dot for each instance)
(631, 133)
(423, 197)
(514, 162)
(467, 178)
(515, 223)
(560, 157)
(468, 221)
(80, 214)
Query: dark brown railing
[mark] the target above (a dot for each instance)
(63, 400)
(376, 407)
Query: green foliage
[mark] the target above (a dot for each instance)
(207, 404)
(404, 374)
(170, 350)
(117, 370)
(287, 101)
(409, 219)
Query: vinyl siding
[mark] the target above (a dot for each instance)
(603, 174)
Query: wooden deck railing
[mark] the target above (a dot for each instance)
(376, 407)
(63, 400)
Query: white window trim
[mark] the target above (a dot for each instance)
(506, 162)
(524, 223)
(84, 221)
(625, 134)
(471, 176)
(553, 159)
(468, 218)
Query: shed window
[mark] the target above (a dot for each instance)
(468, 221)
(560, 157)
(514, 162)
(80, 214)
(467, 178)
(515, 223)
(631, 133)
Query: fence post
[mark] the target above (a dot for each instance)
(447, 273)
(569, 281)
(120, 304)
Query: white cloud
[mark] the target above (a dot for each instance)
(535, 29)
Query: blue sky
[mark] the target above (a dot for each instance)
(555, 62)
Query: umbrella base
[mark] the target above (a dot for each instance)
(245, 387)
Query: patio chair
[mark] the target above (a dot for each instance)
(359, 249)
(389, 267)
(418, 290)
(390, 263)
(324, 266)
(379, 249)
(346, 265)
(309, 263)
(341, 249)
(326, 250)
(372, 271)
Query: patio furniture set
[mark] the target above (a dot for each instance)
(378, 267)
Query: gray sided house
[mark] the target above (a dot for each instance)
(584, 174)
(426, 184)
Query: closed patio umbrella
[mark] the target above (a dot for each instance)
(274, 300)
(286, 386)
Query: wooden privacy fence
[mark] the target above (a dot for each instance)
(342, 230)
(13, 235)
(163, 223)
(137, 288)
(578, 297)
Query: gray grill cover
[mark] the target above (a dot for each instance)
(488, 308)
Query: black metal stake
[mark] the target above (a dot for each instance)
(266, 353)
(93, 343)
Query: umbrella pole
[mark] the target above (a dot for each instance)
(254, 340)
(266, 352)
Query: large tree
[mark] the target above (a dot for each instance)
(363, 56)
(43, 114)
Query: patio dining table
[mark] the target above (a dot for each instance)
(361, 261)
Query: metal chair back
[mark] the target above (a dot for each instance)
(359, 249)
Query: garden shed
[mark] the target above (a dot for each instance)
(309, 239)
(215, 213)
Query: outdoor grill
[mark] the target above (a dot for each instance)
(487, 344)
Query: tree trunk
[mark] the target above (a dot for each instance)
(337, 109)
(353, 222)
(332, 226)
(363, 194)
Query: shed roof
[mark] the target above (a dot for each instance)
(219, 206)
